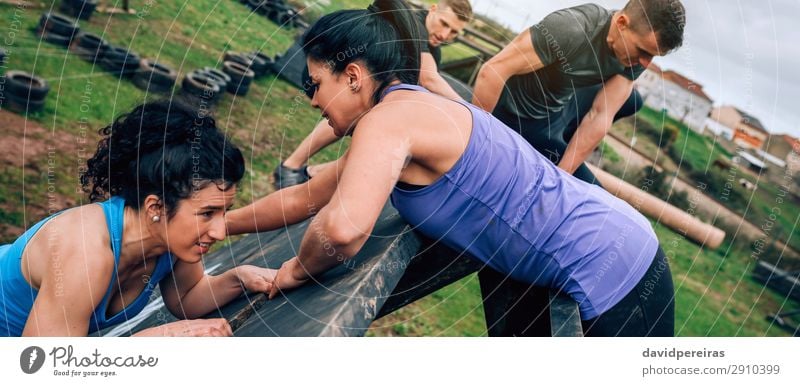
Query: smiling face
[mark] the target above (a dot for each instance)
(341, 98)
(443, 25)
(631, 46)
(198, 222)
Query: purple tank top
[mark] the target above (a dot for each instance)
(506, 205)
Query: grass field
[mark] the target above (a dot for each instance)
(714, 293)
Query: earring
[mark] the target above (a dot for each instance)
(353, 87)
(156, 218)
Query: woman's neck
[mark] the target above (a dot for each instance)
(140, 240)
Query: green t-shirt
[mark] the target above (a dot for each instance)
(572, 46)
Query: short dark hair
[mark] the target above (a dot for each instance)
(165, 148)
(666, 18)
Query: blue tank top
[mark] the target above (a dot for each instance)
(506, 205)
(17, 296)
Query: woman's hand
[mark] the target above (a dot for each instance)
(285, 278)
(256, 279)
(194, 327)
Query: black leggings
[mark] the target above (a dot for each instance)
(648, 310)
(551, 135)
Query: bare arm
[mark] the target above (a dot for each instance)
(322, 136)
(70, 291)
(430, 78)
(286, 206)
(376, 158)
(517, 58)
(189, 293)
(596, 123)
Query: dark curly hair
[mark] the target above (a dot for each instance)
(165, 148)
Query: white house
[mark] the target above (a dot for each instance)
(682, 98)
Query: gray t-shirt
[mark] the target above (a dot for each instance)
(572, 46)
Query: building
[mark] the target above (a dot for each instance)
(781, 145)
(681, 98)
(718, 129)
(748, 131)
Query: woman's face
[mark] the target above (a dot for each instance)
(341, 98)
(198, 222)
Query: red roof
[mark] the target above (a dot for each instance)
(685, 83)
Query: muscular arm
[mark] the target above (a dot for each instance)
(430, 78)
(286, 206)
(70, 290)
(596, 123)
(377, 156)
(189, 293)
(517, 58)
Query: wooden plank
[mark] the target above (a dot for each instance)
(433, 268)
(346, 299)
(565, 317)
(343, 302)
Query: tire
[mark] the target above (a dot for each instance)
(270, 63)
(60, 40)
(154, 77)
(58, 24)
(21, 105)
(201, 87)
(90, 41)
(89, 47)
(219, 73)
(158, 73)
(238, 58)
(120, 62)
(213, 76)
(241, 77)
(81, 9)
(25, 85)
(259, 66)
(2, 56)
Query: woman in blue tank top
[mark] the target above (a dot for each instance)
(169, 175)
(460, 176)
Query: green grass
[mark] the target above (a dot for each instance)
(267, 124)
(692, 153)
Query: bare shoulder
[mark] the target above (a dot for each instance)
(76, 241)
(405, 109)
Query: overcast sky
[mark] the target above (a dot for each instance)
(743, 52)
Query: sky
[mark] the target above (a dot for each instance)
(744, 53)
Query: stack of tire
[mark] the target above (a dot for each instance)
(204, 87)
(23, 92)
(89, 47)
(154, 77)
(81, 9)
(120, 62)
(57, 29)
(278, 11)
(241, 68)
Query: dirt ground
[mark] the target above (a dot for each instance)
(24, 147)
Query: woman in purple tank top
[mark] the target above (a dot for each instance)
(460, 176)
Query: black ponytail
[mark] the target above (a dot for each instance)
(164, 148)
(386, 37)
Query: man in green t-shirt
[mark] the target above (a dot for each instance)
(562, 82)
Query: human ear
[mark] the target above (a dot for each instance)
(153, 207)
(355, 76)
